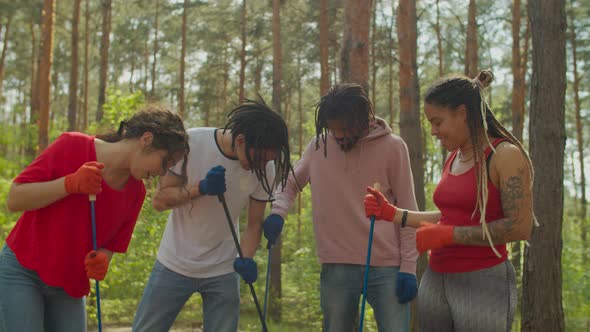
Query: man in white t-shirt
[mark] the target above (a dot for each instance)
(197, 252)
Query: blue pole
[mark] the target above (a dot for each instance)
(269, 246)
(92, 198)
(367, 266)
(232, 229)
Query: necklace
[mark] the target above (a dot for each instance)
(460, 156)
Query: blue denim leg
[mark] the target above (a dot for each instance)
(63, 313)
(221, 302)
(163, 298)
(28, 304)
(340, 291)
(389, 313)
(341, 288)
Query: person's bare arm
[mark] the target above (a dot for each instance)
(514, 181)
(36, 195)
(414, 218)
(171, 192)
(253, 233)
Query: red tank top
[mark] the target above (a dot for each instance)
(455, 197)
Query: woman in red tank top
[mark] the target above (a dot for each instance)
(484, 200)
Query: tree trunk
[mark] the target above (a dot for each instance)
(182, 63)
(390, 62)
(276, 55)
(518, 102)
(439, 47)
(373, 86)
(155, 54)
(542, 308)
(258, 73)
(300, 145)
(579, 134)
(4, 49)
(324, 48)
(34, 102)
(354, 54)
(275, 308)
(471, 60)
(517, 80)
(44, 72)
(146, 63)
(86, 64)
(441, 71)
(243, 53)
(73, 84)
(410, 123)
(104, 56)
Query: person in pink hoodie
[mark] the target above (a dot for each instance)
(353, 149)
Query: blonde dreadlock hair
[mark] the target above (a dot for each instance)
(456, 91)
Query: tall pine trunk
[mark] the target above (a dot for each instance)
(104, 56)
(4, 49)
(542, 308)
(579, 134)
(182, 61)
(73, 84)
(156, 49)
(244, 34)
(409, 94)
(275, 308)
(471, 47)
(354, 54)
(44, 72)
(324, 48)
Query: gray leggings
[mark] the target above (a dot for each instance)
(483, 300)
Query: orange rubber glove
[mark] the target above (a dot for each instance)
(87, 179)
(433, 236)
(96, 264)
(377, 205)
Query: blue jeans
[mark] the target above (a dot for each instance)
(167, 292)
(341, 287)
(28, 304)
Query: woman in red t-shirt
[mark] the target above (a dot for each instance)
(48, 259)
(484, 200)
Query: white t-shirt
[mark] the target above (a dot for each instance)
(197, 241)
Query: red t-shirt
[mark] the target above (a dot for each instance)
(455, 197)
(54, 240)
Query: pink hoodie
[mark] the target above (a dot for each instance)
(338, 184)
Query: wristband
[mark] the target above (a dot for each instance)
(404, 218)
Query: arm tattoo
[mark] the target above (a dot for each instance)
(511, 194)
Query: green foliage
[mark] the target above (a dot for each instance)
(7, 219)
(119, 106)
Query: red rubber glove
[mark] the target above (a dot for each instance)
(97, 265)
(377, 205)
(433, 236)
(86, 180)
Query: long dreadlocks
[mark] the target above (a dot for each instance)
(263, 130)
(348, 102)
(456, 91)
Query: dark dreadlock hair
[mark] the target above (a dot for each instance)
(263, 129)
(167, 128)
(456, 91)
(348, 102)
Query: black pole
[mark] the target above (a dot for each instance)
(237, 243)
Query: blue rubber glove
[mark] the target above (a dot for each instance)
(406, 287)
(273, 225)
(214, 182)
(246, 268)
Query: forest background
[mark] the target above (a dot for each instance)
(84, 65)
